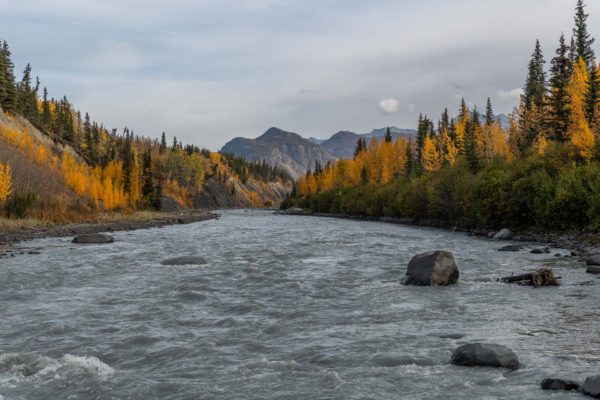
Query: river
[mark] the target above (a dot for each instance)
(286, 308)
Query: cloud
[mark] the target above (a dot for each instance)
(513, 94)
(389, 105)
(115, 55)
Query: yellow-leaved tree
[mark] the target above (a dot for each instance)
(5, 182)
(431, 160)
(580, 132)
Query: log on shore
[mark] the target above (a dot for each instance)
(541, 277)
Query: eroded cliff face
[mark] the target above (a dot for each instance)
(232, 193)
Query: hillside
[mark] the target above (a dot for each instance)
(285, 150)
(59, 165)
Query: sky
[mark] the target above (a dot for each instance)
(207, 71)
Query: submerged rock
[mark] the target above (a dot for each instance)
(93, 238)
(485, 355)
(185, 260)
(593, 260)
(512, 248)
(541, 250)
(591, 386)
(504, 234)
(436, 268)
(559, 384)
(593, 269)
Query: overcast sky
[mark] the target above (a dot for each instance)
(209, 70)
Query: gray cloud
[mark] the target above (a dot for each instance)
(208, 70)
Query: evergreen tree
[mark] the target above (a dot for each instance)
(581, 37)
(128, 159)
(535, 85)
(471, 141)
(388, 136)
(364, 175)
(489, 113)
(46, 113)
(361, 145)
(409, 166)
(558, 99)
(464, 110)
(157, 198)
(148, 186)
(163, 144)
(444, 124)
(422, 132)
(8, 92)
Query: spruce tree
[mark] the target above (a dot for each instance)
(444, 124)
(409, 164)
(163, 144)
(46, 113)
(471, 142)
(422, 131)
(8, 101)
(364, 175)
(582, 39)
(535, 85)
(558, 100)
(489, 113)
(148, 186)
(388, 136)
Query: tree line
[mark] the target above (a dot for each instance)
(470, 170)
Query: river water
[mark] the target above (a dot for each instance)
(286, 308)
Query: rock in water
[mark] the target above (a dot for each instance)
(504, 234)
(485, 355)
(593, 270)
(559, 384)
(93, 238)
(593, 260)
(436, 268)
(541, 250)
(512, 248)
(591, 386)
(293, 211)
(185, 260)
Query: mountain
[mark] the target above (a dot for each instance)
(396, 132)
(341, 144)
(280, 148)
(503, 119)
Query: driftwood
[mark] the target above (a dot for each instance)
(541, 277)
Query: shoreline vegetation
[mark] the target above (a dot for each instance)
(14, 231)
(538, 172)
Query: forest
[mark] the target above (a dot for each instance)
(58, 164)
(542, 171)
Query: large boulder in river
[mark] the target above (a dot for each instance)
(504, 234)
(559, 384)
(436, 268)
(93, 238)
(485, 355)
(591, 386)
(185, 260)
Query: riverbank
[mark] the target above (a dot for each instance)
(579, 243)
(14, 231)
